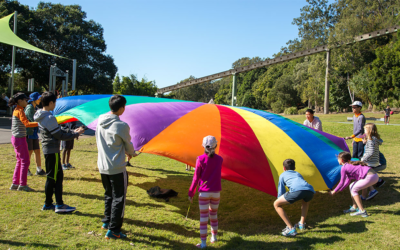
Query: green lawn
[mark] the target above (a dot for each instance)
(247, 219)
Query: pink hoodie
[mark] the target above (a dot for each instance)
(207, 169)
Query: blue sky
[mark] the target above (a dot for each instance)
(169, 40)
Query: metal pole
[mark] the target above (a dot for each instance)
(13, 55)
(326, 104)
(234, 90)
(33, 84)
(66, 82)
(62, 87)
(50, 78)
(73, 74)
(53, 87)
(29, 85)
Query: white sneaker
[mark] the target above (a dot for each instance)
(213, 238)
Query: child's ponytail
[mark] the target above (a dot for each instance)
(12, 102)
(210, 152)
(346, 157)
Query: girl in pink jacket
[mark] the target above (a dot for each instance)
(208, 176)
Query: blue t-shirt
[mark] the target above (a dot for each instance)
(294, 181)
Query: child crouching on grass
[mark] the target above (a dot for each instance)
(364, 177)
(299, 189)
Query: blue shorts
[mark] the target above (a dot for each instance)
(305, 195)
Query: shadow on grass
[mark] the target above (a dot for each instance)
(177, 229)
(22, 244)
(82, 179)
(301, 242)
(351, 227)
(101, 198)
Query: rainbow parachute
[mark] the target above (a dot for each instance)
(253, 143)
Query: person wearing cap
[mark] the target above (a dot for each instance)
(312, 121)
(18, 140)
(358, 130)
(32, 133)
(208, 176)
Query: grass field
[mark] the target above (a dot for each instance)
(246, 216)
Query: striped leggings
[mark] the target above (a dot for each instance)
(208, 204)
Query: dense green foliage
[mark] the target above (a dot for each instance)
(370, 69)
(131, 86)
(62, 30)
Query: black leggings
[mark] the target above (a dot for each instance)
(54, 180)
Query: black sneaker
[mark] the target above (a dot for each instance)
(380, 183)
(41, 172)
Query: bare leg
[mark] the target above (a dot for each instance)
(354, 202)
(63, 156)
(358, 201)
(277, 205)
(68, 154)
(304, 211)
(37, 158)
(30, 155)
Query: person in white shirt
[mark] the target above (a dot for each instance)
(312, 121)
(5, 98)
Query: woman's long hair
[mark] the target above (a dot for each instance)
(371, 130)
(346, 158)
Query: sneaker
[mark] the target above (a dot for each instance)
(111, 235)
(350, 210)
(105, 226)
(213, 238)
(64, 167)
(362, 198)
(289, 232)
(25, 188)
(300, 226)
(41, 172)
(64, 209)
(51, 207)
(14, 187)
(201, 245)
(380, 183)
(361, 213)
(70, 166)
(372, 194)
(29, 173)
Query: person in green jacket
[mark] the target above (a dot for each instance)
(32, 133)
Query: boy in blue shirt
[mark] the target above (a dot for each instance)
(299, 189)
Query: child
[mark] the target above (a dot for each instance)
(358, 130)
(208, 175)
(188, 167)
(364, 177)
(372, 141)
(51, 134)
(387, 114)
(113, 142)
(32, 133)
(67, 146)
(299, 189)
(18, 140)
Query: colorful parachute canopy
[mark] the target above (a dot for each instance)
(253, 143)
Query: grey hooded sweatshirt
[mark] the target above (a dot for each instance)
(113, 141)
(51, 132)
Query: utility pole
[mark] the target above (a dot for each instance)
(326, 104)
(13, 56)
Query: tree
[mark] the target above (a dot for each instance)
(63, 30)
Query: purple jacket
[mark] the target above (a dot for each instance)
(207, 169)
(351, 172)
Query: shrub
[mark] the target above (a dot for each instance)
(291, 111)
(277, 107)
(396, 104)
(302, 111)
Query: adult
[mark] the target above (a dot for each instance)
(358, 130)
(5, 98)
(312, 121)
(32, 133)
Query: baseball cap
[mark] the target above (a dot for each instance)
(20, 96)
(209, 142)
(356, 103)
(34, 96)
